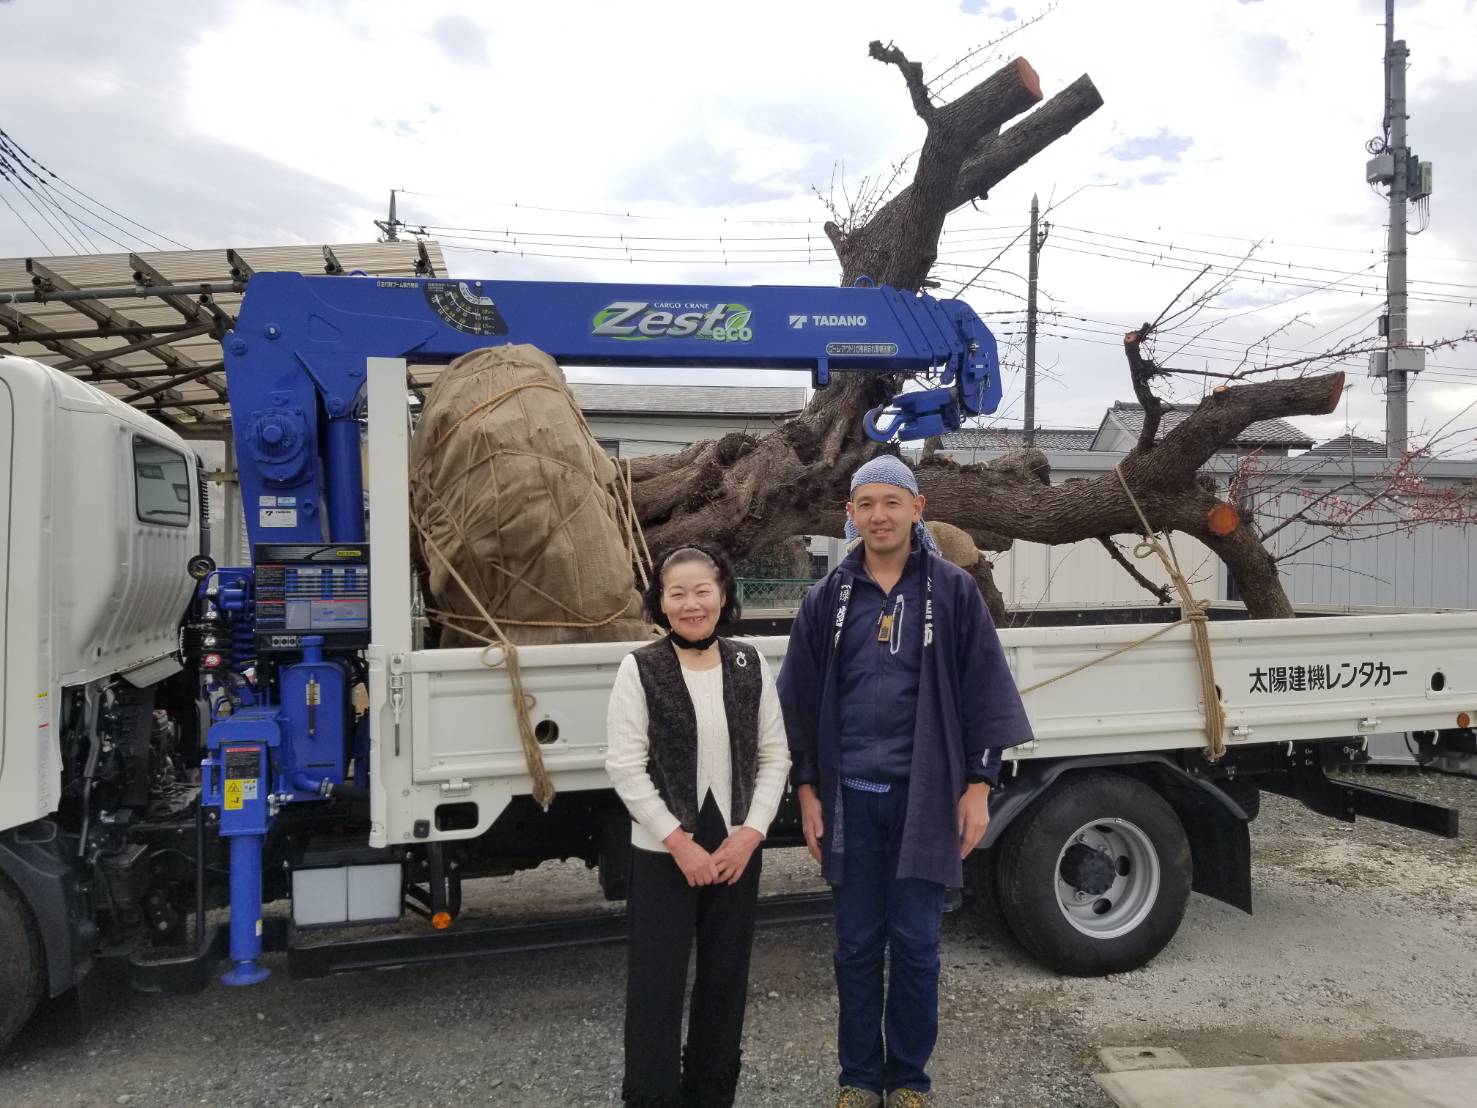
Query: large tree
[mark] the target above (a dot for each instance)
(750, 494)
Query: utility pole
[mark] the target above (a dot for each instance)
(1397, 388)
(1408, 179)
(390, 227)
(1038, 239)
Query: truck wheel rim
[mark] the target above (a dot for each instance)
(1108, 913)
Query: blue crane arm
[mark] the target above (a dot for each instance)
(295, 363)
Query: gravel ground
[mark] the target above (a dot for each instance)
(1363, 946)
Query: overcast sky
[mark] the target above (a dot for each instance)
(1226, 122)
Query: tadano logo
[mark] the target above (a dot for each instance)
(636, 320)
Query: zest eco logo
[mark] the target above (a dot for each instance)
(637, 320)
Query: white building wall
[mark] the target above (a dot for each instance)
(1031, 574)
(1426, 566)
(1430, 566)
(642, 435)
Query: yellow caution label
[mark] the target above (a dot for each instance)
(235, 795)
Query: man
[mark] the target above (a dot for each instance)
(897, 700)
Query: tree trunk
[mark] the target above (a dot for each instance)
(747, 494)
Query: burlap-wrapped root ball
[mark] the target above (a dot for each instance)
(512, 497)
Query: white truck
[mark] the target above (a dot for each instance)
(127, 815)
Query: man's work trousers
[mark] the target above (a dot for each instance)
(884, 1045)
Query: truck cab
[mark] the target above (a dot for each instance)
(101, 508)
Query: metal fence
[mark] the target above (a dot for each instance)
(769, 593)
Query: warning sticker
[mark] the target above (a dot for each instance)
(243, 761)
(234, 795)
(866, 349)
(43, 711)
(277, 517)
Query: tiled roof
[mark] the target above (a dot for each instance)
(1349, 446)
(1266, 432)
(770, 402)
(1013, 438)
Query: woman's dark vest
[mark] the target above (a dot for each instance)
(672, 727)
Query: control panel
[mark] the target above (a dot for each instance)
(311, 589)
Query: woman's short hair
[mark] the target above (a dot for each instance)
(707, 554)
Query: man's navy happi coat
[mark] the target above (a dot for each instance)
(968, 709)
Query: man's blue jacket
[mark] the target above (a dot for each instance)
(968, 711)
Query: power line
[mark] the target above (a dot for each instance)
(1244, 271)
(595, 241)
(1273, 279)
(7, 138)
(1445, 375)
(715, 236)
(517, 252)
(1232, 353)
(782, 221)
(1310, 347)
(590, 212)
(48, 193)
(23, 222)
(655, 255)
(17, 183)
(50, 197)
(1380, 255)
(615, 244)
(1273, 241)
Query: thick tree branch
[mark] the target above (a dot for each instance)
(899, 244)
(1228, 411)
(1008, 496)
(912, 73)
(994, 159)
(980, 113)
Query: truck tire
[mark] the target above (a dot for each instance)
(22, 964)
(1094, 877)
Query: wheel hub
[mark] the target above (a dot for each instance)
(1089, 870)
(1107, 877)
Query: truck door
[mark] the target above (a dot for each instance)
(7, 468)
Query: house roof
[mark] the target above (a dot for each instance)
(1013, 438)
(1266, 432)
(757, 401)
(1349, 446)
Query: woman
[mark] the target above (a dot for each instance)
(697, 752)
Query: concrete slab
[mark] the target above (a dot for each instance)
(1421, 1083)
(1121, 1059)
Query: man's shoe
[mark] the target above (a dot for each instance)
(852, 1097)
(908, 1098)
